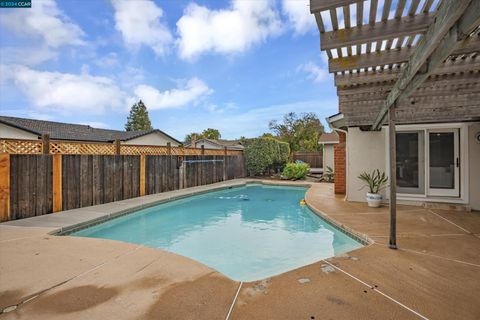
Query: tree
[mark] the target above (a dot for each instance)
(138, 118)
(207, 133)
(211, 134)
(188, 137)
(301, 132)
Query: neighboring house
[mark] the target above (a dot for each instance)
(20, 128)
(421, 97)
(217, 144)
(328, 140)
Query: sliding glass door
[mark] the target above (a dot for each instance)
(428, 162)
(443, 163)
(410, 162)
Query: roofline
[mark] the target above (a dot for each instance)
(152, 131)
(216, 143)
(40, 134)
(19, 127)
(336, 121)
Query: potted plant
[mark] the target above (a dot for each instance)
(375, 181)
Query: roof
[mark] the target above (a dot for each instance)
(410, 54)
(328, 138)
(75, 132)
(232, 144)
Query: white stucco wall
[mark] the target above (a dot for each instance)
(14, 133)
(365, 152)
(152, 139)
(328, 156)
(474, 166)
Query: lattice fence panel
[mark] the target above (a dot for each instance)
(143, 150)
(20, 146)
(69, 147)
(81, 148)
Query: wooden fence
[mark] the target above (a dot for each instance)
(32, 185)
(314, 159)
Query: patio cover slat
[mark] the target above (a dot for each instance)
(389, 29)
(438, 43)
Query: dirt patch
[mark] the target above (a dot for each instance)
(74, 299)
(207, 297)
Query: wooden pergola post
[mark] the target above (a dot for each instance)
(393, 177)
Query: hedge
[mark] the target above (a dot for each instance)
(263, 155)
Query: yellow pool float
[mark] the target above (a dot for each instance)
(302, 202)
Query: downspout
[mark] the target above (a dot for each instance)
(332, 126)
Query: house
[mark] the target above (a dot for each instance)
(21, 128)
(216, 144)
(328, 140)
(409, 99)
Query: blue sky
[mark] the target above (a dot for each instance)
(230, 65)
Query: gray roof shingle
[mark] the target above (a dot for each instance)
(76, 132)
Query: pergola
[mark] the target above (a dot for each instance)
(397, 60)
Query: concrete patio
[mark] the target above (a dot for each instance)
(434, 274)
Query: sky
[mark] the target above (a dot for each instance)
(230, 65)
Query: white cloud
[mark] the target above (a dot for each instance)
(140, 24)
(314, 72)
(107, 61)
(27, 56)
(248, 123)
(194, 90)
(298, 14)
(46, 21)
(65, 92)
(225, 31)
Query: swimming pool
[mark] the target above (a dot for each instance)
(247, 233)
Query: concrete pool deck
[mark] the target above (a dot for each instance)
(434, 273)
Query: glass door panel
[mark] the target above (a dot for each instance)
(443, 163)
(410, 162)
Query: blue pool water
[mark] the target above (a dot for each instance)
(247, 233)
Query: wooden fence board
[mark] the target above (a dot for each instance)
(4, 187)
(314, 159)
(42, 184)
(30, 185)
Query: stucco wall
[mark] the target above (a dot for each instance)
(14, 133)
(474, 164)
(328, 156)
(153, 139)
(365, 152)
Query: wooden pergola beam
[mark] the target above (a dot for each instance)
(345, 80)
(389, 29)
(437, 44)
(322, 5)
(392, 56)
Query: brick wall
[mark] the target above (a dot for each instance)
(339, 151)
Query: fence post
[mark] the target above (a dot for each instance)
(224, 163)
(169, 148)
(202, 150)
(57, 182)
(4, 187)
(117, 147)
(142, 175)
(46, 143)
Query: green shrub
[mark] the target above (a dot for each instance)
(265, 154)
(295, 171)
